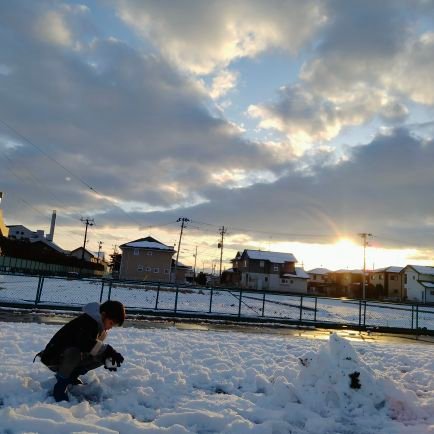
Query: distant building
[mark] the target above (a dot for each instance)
(346, 283)
(184, 273)
(269, 271)
(419, 283)
(84, 254)
(387, 282)
(146, 259)
(319, 281)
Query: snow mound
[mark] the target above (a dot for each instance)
(336, 379)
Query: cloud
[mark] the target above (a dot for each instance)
(384, 187)
(127, 124)
(204, 36)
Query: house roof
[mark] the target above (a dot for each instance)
(275, 257)
(422, 269)
(427, 284)
(390, 269)
(79, 249)
(319, 271)
(343, 271)
(50, 244)
(299, 272)
(147, 243)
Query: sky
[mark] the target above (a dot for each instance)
(295, 125)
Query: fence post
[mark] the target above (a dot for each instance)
(110, 290)
(360, 313)
(417, 316)
(316, 305)
(102, 291)
(263, 304)
(210, 300)
(301, 308)
(364, 313)
(239, 303)
(158, 295)
(412, 316)
(176, 298)
(37, 291)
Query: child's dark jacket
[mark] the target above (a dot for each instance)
(85, 332)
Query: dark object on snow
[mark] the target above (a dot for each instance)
(355, 383)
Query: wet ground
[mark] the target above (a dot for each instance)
(17, 315)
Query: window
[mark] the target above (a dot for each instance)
(149, 269)
(380, 277)
(405, 278)
(432, 292)
(136, 252)
(266, 278)
(261, 264)
(149, 253)
(392, 277)
(284, 280)
(139, 267)
(245, 263)
(291, 281)
(156, 270)
(166, 271)
(276, 268)
(414, 277)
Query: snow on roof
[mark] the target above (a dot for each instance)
(342, 271)
(319, 271)
(147, 243)
(428, 284)
(299, 272)
(390, 269)
(276, 257)
(422, 270)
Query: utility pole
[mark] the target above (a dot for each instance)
(220, 246)
(364, 237)
(194, 268)
(88, 222)
(183, 221)
(99, 248)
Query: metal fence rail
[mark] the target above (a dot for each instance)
(161, 299)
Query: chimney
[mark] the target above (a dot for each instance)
(50, 236)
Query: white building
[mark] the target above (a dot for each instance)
(419, 283)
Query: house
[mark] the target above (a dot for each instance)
(82, 253)
(146, 259)
(184, 273)
(419, 283)
(387, 282)
(269, 271)
(346, 283)
(319, 281)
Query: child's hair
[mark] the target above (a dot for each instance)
(114, 310)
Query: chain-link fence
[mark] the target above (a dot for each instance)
(164, 299)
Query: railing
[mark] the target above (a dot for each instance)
(162, 299)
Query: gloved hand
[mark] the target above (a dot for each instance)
(114, 357)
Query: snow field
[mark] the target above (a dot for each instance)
(178, 382)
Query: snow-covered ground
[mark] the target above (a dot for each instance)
(182, 381)
(79, 292)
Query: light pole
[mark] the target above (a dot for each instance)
(183, 220)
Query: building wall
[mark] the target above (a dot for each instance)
(272, 282)
(415, 291)
(145, 265)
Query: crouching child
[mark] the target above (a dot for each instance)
(78, 346)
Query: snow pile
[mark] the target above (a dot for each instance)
(185, 382)
(336, 379)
